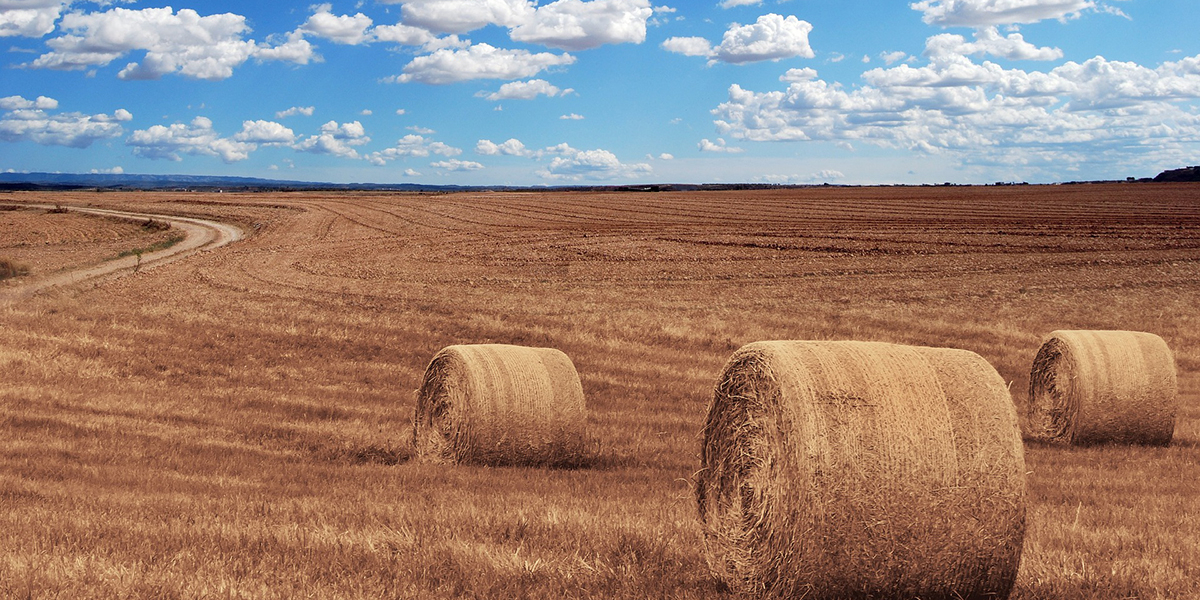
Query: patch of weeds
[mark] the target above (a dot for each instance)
(155, 247)
(9, 269)
(58, 210)
(152, 225)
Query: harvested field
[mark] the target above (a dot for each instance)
(48, 241)
(238, 423)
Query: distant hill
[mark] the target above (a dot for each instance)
(58, 181)
(1184, 174)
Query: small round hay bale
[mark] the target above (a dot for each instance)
(496, 404)
(1094, 387)
(862, 470)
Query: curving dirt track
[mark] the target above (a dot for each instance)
(199, 235)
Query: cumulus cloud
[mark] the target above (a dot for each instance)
(479, 61)
(296, 110)
(411, 145)
(567, 163)
(195, 138)
(983, 13)
(771, 37)
(988, 41)
(525, 90)
(718, 146)
(578, 25)
(344, 29)
(575, 165)
(294, 49)
(335, 139)
(688, 46)
(265, 132)
(571, 117)
(30, 120)
(29, 18)
(462, 16)
(563, 24)
(183, 42)
(456, 165)
(511, 147)
(979, 111)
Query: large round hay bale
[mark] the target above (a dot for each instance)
(498, 404)
(1091, 387)
(862, 470)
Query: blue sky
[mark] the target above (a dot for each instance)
(489, 92)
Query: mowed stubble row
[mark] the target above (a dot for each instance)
(238, 423)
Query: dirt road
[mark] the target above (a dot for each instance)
(199, 235)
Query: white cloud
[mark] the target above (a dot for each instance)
(412, 173)
(525, 90)
(771, 37)
(801, 74)
(28, 120)
(733, 3)
(29, 18)
(983, 13)
(296, 110)
(462, 16)
(19, 103)
(980, 112)
(456, 165)
(411, 145)
(199, 47)
(294, 49)
(403, 34)
(571, 117)
(512, 147)
(417, 129)
(195, 138)
(688, 46)
(112, 171)
(989, 42)
(480, 61)
(578, 25)
(336, 139)
(718, 146)
(265, 132)
(35, 18)
(575, 165)
(344, 29)
(892, 57)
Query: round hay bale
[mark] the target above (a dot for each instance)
(862, 470)
(1093, 387)
(500, 405)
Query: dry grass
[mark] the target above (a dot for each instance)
(862, 470)
(1090, 387)
(10, 269)
(238, 424)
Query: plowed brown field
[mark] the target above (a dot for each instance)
(237, 424)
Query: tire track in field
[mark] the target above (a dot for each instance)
(199, 235)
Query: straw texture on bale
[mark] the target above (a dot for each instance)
(862, 470)
(500, 405)
(1095, 387)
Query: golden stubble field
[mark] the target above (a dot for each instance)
(237, 424)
